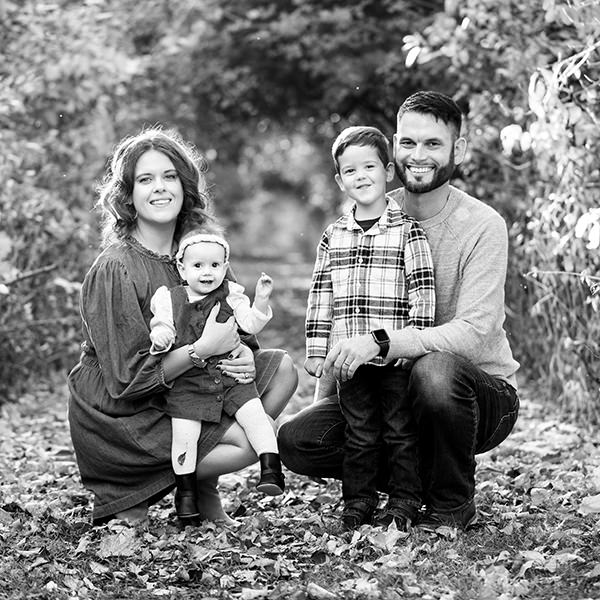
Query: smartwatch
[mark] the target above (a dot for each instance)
(196, 360)
(382, 339)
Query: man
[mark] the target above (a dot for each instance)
(462, 384)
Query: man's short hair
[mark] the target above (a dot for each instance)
(361, 136)
(436, 104)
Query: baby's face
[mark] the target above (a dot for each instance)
(203, 266)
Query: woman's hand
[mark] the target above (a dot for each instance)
(240, 366)
(217, 338)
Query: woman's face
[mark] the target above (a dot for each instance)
(157, 189)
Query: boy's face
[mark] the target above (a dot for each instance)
(203, 266)
(363, 178)
(426, 151)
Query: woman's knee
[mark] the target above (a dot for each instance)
(281, 387)
(288, 373)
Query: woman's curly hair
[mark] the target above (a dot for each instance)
(115, 201)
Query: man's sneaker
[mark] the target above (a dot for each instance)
(461, 519)
(402, 516)
(356, 514)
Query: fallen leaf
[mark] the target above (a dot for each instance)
(251, 594)
(123, 543)
(318, 593)
(595, 572)
(590, 505)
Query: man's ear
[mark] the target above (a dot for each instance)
(460, 149)
(338, 180)
(394, 139)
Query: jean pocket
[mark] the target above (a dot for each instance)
(505, 426)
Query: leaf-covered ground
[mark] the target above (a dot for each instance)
(537, 537)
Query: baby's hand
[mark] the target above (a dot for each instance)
(314, 366)
(264, 287)
(161, 339)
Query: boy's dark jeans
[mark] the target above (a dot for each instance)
(460, 411)
(380, 436)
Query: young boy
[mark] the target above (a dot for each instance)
(373, 271)
(203, 393)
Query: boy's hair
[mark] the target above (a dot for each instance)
(436, 104)
(361, 136)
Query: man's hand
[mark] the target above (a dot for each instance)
(314, 366)
(346, 356)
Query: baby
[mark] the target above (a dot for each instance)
(203, 392)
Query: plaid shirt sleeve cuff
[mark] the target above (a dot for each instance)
(316, 348)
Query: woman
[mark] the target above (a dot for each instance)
(152, 193)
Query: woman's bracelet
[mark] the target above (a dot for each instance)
(196, 360)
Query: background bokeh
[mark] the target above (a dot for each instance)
(262, 87)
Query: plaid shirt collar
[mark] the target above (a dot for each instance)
(392, 215)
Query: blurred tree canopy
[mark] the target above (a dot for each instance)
(262, 87)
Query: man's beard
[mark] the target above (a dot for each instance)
(442, 174)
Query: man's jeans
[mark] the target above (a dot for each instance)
(381, 437)
(459, 409)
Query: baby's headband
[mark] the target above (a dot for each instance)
(198, 238)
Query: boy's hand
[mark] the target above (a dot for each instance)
(314, 366)
(264, 287)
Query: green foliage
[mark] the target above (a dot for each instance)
(57, 96)
(528, 74)
(262, 87)
(228, 70)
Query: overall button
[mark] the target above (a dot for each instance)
(217, 380)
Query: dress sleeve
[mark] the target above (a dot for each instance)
(248, 318)
(162, 321)
(319, 312)
(113, 317)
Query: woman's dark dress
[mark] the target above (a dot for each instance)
(119, 428)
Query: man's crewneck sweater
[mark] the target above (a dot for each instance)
(469, 246)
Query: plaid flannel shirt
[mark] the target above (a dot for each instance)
(380, 278)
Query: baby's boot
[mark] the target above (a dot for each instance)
(185, 496)
(271, 478)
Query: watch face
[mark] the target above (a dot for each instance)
(381, 337)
